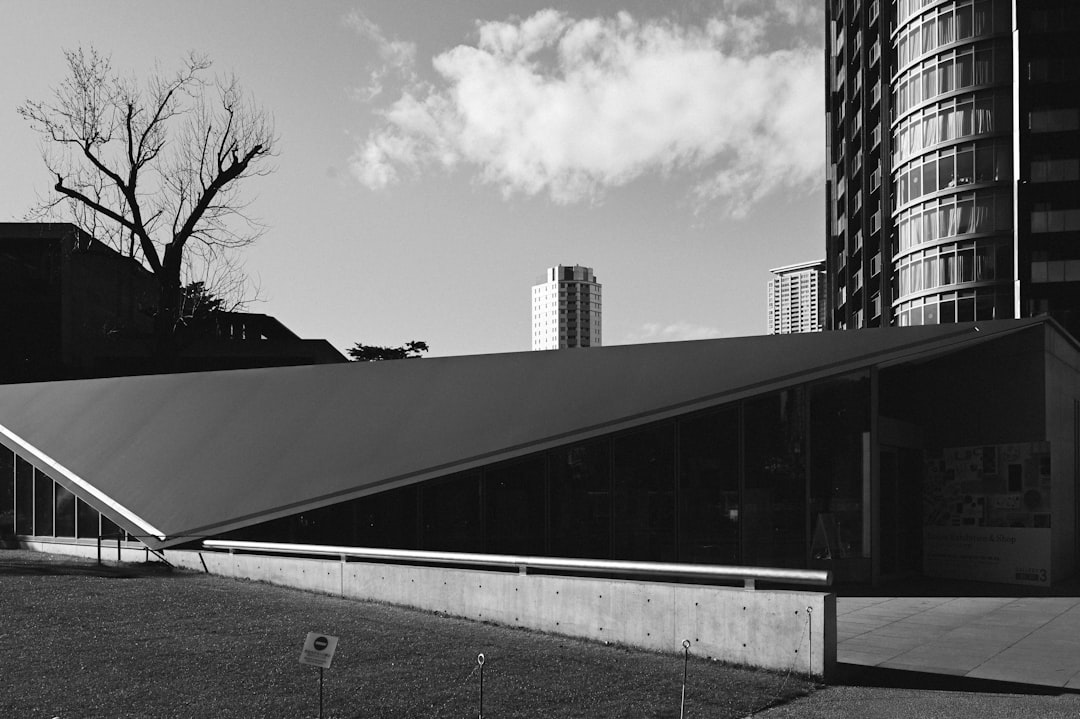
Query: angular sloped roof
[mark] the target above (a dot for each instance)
(184, 456)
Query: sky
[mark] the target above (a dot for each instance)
(435, 156)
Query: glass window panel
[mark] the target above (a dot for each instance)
(388, 519)
(43, 505)
(947, 171)
(964, 209)
(948, 268)
(709, 487)
(110, 530)
(984, 306)
(644, 494)
(963, 22)
(929, 83)
(1072, 270)
(774, 499)
(7, 492)
(966, 260)
(65, 512)
(451, 514)
(580, 500)
(965, 166)
(839, 417)
(945, 76)
(947, 311)
(984, 67)
(514, 507)
(1038, 221)
(86, 517)
(985, 265)
(946, 29)
(24, 497)
(332, 525)
(984, 163)
(965, 308)
(965, 70)
(929, 176)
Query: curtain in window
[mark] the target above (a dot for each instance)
(932, 130)
(980, 217)
(982, 17)
(946, 29)
(984, 68)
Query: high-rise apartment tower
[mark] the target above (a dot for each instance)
(795, 299)
(566, 309)
(954, 161)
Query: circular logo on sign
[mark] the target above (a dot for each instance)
(320, 643)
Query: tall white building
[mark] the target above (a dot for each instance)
(566, 309)
(796, 303)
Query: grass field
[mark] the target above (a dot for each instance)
(78, 641)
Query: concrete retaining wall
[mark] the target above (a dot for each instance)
(771, 629)
(780, 630)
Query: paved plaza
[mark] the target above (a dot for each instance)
(1020, 639)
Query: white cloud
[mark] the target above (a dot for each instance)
(678, 331)
(395, 56)
(571, 108)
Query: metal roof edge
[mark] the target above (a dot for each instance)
(84, 487)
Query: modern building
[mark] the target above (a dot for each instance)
(946, 450)
(953, 188)
(566, 309)
(796, 302)
(71, 307)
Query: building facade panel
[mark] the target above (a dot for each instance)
(567, 309)
(971, 138)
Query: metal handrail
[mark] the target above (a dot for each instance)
(747, 575)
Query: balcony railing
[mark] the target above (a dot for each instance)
(659, 570)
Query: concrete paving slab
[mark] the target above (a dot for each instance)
(1021, 639)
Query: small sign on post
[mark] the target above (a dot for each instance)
(319, 651)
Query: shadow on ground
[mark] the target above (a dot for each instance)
(12, 564)
(855, 675)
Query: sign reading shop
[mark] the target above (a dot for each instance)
(987, 514)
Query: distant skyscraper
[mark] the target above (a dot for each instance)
(953, 189)
(796, 302)
(566, 309)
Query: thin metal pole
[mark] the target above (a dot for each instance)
(686, 658)
(480, 661)
(99, 549)
(320, 692)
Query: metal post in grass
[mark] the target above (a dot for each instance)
(686, 659)
(480, 661)
(319, 651)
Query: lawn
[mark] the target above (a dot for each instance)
(78, 641)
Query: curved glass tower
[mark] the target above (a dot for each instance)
(951, 130)
(954, 161)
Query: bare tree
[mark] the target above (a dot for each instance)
(154, 169)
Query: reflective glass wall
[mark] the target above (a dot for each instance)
(745, 483)
(32, 504)
(952, 118)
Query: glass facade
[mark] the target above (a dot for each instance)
(952, 163)
(32, 504)
(742, 483)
